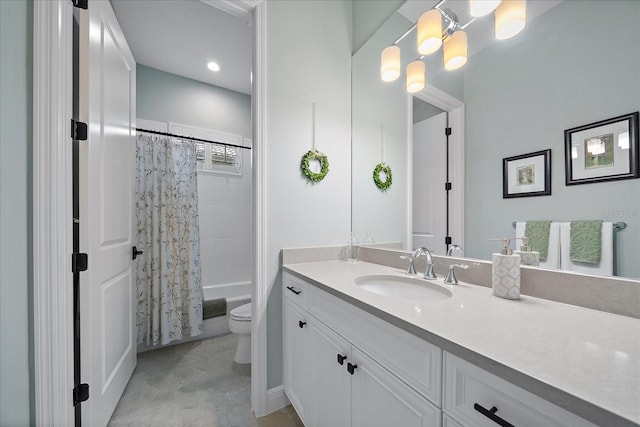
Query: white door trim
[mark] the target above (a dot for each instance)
(52, 212)
(455, 108)
(260, 292)
(53, 323)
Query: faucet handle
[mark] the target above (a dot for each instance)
(451, 275)
(411, 270)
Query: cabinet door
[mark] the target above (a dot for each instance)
(295, 331)
(330, 383)
(380, 399)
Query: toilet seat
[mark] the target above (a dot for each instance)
(242, 313)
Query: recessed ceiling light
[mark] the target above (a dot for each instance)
(213, 66)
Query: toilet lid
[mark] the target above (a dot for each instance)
(243, 312)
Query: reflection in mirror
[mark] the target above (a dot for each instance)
(519, 96)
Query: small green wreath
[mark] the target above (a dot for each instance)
(382, 167)
(324, 165)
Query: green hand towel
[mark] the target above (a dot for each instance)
(538, 234)
(586, 241)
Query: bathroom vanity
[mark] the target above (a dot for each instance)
(354, 356)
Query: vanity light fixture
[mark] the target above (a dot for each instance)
(440, 27)
(429, 32)
(390, 63)
(511, 18)
(455, 51)
(480, 8)
(213, 66)
(415, 76)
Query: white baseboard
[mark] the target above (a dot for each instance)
(276, 399)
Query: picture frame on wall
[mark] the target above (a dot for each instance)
(527, 175)
(602, 151)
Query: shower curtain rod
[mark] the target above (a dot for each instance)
(191, 138)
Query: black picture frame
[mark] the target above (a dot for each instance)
(611, 162)
(527, 175)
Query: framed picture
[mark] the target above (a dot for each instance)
(602, 151)
(527, 175)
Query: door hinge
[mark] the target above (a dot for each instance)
(80, 393)
(78, 130)
(447, 131)
(447, 186)
(79, 262)
(82, 4)
(447, 240)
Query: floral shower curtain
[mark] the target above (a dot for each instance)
(169, 289)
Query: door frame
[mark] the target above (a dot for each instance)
(52, 217)
(455, 108)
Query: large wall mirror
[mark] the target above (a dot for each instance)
(576, 62)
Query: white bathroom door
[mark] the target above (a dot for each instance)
(107, 104)
(429, 177)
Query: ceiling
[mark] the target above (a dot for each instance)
(182, 36)
(480, 32)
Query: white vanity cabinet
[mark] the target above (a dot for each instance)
(295, 335)
(348, 382)
(476, 398)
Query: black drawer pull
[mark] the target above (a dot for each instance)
(292, 289)
(301, 323)
(351, 368)
(342, 358)
(491, 414)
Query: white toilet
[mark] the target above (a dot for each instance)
(240, 323)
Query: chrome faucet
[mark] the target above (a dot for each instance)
(428, 272)
(451, 275)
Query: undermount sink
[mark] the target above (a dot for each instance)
(411, 288)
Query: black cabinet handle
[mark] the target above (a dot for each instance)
(292, 289)
(342, 358)
(301, 323)
(491, 414)
(135, 252)
(351, 368)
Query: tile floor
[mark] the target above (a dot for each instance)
(193, 384)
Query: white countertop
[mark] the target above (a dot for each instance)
(590, 355)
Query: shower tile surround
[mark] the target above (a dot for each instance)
(534, 369)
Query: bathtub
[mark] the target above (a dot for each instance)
(236, 295)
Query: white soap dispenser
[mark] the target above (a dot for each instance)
(527, 256)
(505, 272)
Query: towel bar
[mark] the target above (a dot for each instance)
(617, 226)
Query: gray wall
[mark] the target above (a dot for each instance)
(16, 300)
(545, 82)
(300, 213)
(166, 97)
(368, 15)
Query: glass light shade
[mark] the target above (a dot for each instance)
(429, 32)
(390, 64)
(455, 51)
(479, 8)
(511, 18)
(415, 76)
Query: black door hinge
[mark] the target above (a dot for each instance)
(80, 393)
(447, 186)
(79, 262)
(78, 130)
(447, 240)
(447, 131)
(82, 4)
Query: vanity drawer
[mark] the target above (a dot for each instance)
(295, 290)
(411, 359)
(468, 390)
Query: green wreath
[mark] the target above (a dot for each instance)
(324, 165)
(382, 167)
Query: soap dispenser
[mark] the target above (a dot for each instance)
(505, 272)
(527, 256)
